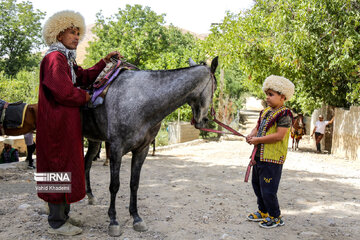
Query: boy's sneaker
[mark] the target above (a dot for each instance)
(257, 216)
(271, 222)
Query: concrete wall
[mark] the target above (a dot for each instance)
(183, 132)
(346, 133)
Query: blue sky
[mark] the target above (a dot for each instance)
(193, 15)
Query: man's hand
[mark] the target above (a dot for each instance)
(112, 54)
(87, 97)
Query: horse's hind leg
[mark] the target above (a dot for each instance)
(115, 163)
(93, 149)
(137, 161)
(107, 148)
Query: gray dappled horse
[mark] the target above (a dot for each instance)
(130, 119)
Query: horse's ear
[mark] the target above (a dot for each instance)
(191, 62)
(214, 64)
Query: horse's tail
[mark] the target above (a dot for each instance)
(214, 64)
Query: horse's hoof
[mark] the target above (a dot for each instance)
(114, 230)
(92, 201)
(140, 226)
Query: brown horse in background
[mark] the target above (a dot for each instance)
(297, 131)
(29, 123)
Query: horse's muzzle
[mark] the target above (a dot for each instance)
(201, 124)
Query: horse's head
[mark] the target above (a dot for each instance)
(300, 120)
(201, 102)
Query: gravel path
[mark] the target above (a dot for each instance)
(196, 191)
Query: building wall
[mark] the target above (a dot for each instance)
(346, 133)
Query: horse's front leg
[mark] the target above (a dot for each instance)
(297, 144)
(137, 161)
(115, 163)
(93, 149)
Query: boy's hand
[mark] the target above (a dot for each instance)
(248, 137)
(253, 140)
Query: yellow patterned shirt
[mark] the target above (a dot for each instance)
(273, 152)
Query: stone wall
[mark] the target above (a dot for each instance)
(346, 133)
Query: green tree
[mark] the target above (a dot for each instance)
(315, 43)
(141, 36)
(23, 86)
(177, 49)
(136, 32)
(20, 36)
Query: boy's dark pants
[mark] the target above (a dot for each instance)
(265, 181)
(59, 214)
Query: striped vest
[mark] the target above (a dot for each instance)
(274, 152)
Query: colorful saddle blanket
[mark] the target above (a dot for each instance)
(105, 78)
(297, 134)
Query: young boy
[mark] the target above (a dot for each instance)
(270, 139)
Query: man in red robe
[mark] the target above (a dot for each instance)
(59, 140)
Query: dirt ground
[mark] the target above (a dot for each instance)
(197, 191)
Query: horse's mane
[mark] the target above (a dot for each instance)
(176, 69)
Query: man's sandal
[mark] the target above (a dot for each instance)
(257, 216)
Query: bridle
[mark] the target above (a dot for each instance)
(213, 113)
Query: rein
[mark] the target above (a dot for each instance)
(232, 131)
(212, 112)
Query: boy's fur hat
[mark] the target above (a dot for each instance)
(279, 84)
(61, 21)
(8, 141)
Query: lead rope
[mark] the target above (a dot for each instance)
(212, 113)
(232, 131)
